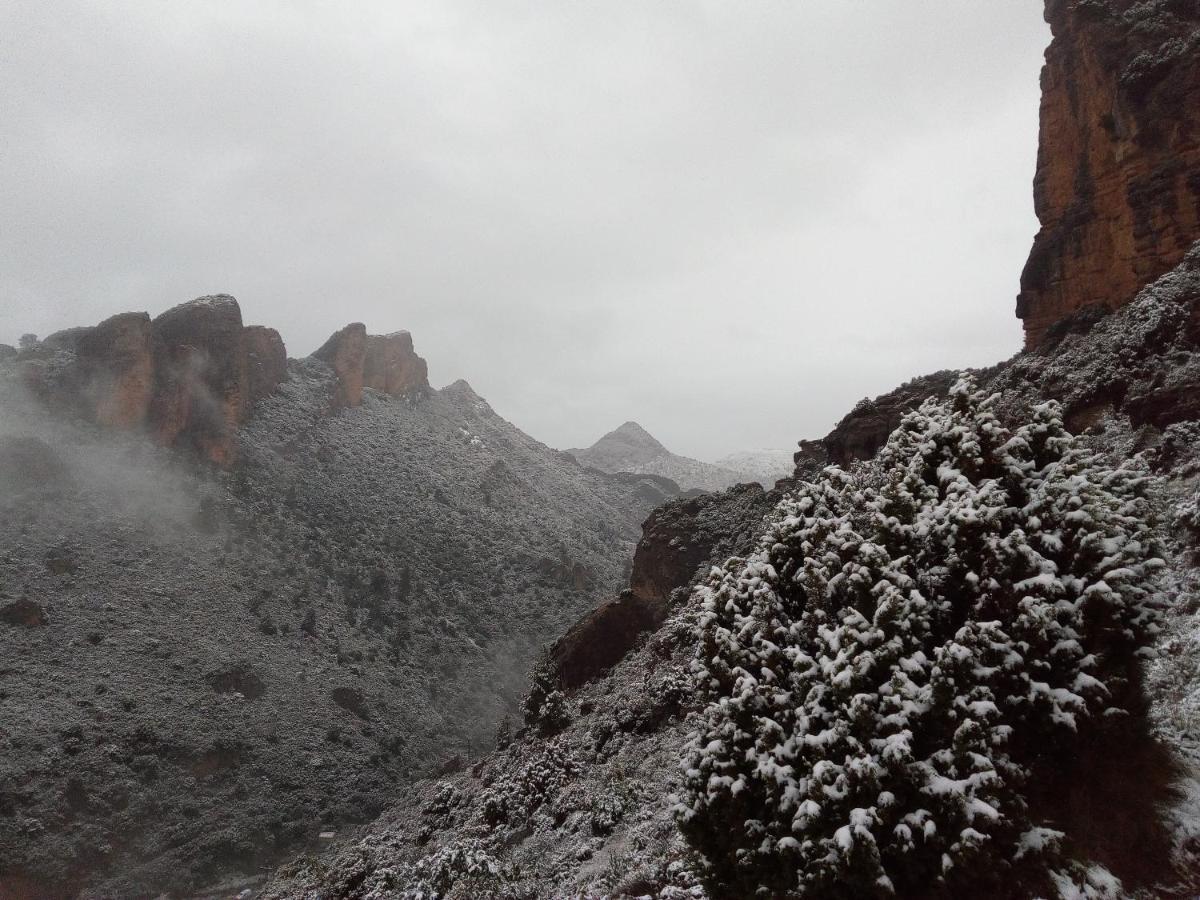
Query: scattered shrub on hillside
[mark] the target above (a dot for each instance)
(914, 643)
(517, 795)
(545, 705)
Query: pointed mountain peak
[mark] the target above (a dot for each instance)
(635, 434)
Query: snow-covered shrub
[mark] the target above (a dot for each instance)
(545, 706)
(432, 876)
(514, 796)
(911, 645)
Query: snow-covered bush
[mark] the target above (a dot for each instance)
(545, 705)
(517, 795)
(912, 645)
(432, 877)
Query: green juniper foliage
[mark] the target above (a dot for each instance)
(913, 644)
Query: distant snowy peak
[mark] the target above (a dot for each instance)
(622, 449)
(630, 448)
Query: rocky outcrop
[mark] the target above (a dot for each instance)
(393, 367)
(200, 394)
(679, 536)
(1142, 362)
(603, 637)
(1117, 189)
(189, 377)
(864, 429)
(345, 352)
(677, 539)
(385, 363)
(266, 362)
(116, 362)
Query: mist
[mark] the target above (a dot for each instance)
(726, 222)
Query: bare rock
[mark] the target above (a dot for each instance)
(680, 536)
(863, 430)
(1117, 189)
(393, 367)
(603, 637)
(346, 352)
(116, 369)
(265, 362)
(200, 380)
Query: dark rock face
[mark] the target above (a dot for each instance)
(1117, 189)
(346, 352)
(681, 535)
(1142, 362)
(677, 539)
(603, 637)
(866, 427)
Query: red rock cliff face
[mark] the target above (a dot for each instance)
(392, 366)
(266, 362)
(384, 363)
(1117, 189)
(191, 376)
(209, 370)
(116, 360)
(345, 352)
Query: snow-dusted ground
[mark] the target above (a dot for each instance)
(201, 670)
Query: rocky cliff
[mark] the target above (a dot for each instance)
(192, 375)
(1117, 188)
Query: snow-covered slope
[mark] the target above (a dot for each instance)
(587, 810)
(200, 669)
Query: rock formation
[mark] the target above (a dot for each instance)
(191, 376)
(384, 363)
(200, 375)
(345, 352)
(1117, 189)
(116, 360)
(392, 366)
(266, 362)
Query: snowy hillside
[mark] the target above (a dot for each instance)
(588, 799)
(219, 666)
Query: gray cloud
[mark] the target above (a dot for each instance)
(728, 221)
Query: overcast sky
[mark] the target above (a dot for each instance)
(728, 221)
